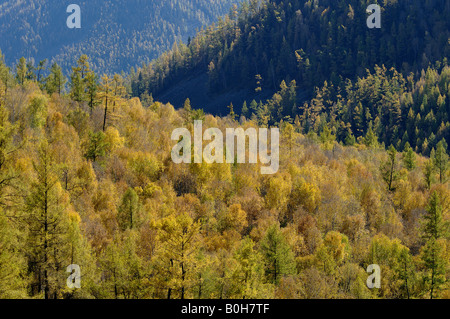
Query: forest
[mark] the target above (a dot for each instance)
(264, 42)
(117, 35)
(86, 178)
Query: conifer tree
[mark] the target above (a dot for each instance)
(176, 265)
(47, 221)
(440, 160)
(128, 217)
(56, 80)
(433, 253)
(21, 71)
(105, 95)
(278, 256)
(409, 157)
(389, 168)
(13, 277)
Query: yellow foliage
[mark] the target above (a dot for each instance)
(305, 194)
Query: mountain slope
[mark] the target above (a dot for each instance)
(116, 35)
(309, 41)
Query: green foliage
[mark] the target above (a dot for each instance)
(409, 157)
(128, 217)
(389, 168)
(38, 110)
(440, 160)
(96, 146)
(13, 276)
(46, 219)
(55, 82)
(278, 256)
(433, 253)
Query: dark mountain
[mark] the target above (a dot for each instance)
(116, 35)
(249, 53)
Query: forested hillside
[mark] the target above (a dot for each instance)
(86, 178)
(251, 52)
(117, 35)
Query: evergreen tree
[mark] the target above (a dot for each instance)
(128, 216)
(440, 160)
(106, 96)
(96, 146)
(278, 256)
(245, 110)
(91, 89)
(389, 168)
(56, 80)
(176, 265)
(13, 277)
(409, 157)
(428, 173)
(433, 253)
(21, 71)
(47, 221)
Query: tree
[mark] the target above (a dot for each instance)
(278, 255)
(406, 273)
(123, 268)
(78, 79)
(38, 110)
(409, 157)
(176, 265)
(39, 69)
(91, 89)
(440, 160)
(128, 217)
(433, 253)
(105, 95)
(13, 277)
(96, 145)
(244, 111)
(370, 140)
(47, 221)
(248, 276)
(119, 90)
(77, 88)
(21, 71)
(334, 251)
(234, 218)
(55, 82)
(8, 175)
(232, 115)
(428, 173)
(389, 169)
(6, 79)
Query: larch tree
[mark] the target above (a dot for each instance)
(389, 168)
(56, 80)
(123, 269)
(78, 79)
(433, 253)
(21, 71)
(105, 95)
(7, 149)
(6, 79)
(248, 275)
(13, 267)
(91, 89)
(440, 160)
(409, 157)
(46, 219)
(129, 210)
(278, 255)
(177, 265)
